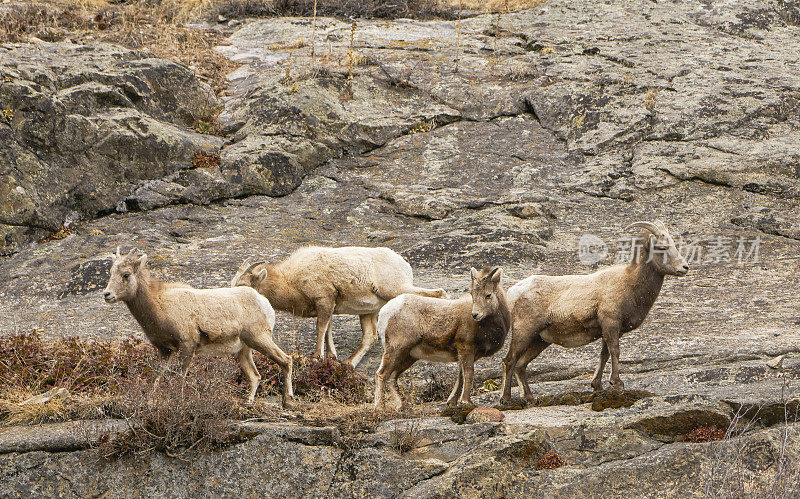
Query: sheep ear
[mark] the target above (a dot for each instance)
(262, 274)
(117, 255)
(141, 261)
(496, 274)
(473, 273)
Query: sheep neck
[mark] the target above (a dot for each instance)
(145, 308)
(282, 295)
(493, 329)
(646, 282)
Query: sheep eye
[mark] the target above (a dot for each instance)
(126, 276)
(488, 297)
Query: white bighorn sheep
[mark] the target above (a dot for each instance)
(178, 318)
(575, 310)
(319, 282)
(416, 328)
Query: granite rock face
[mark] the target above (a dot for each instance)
(82, 125)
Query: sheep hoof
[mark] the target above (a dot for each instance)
(511, 405)
(289, 404)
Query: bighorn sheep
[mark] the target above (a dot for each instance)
(416, 328)
(319, 282)
(575, 310)
(179, 318)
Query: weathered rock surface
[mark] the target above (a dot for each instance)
(572, 118)
(82, 125)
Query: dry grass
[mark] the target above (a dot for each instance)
(158, 27)
(494, 5)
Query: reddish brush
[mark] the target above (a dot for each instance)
(704, 434)
(550, 461)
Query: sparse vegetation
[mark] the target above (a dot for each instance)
(61, 233)
(185, 414)
(316, 379)
(203, 159)
(550, 461)
(705, 434)
(105, 378)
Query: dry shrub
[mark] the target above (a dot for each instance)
(405, 438)
(369, 9)
(61, 233)
(353, 422)
(157, 26)
(704, 434)
(29, 364)
(315, 379)
(550, 461)
(203, 159)
(494, 5)
(436, 387)
(194, 413)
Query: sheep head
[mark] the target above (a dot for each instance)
(250, 274)
(126, 272)
(660, 248)
(484, 291)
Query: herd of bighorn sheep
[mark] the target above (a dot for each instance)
(413, 323)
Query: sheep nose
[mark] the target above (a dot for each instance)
(475, 315)
(685, 268)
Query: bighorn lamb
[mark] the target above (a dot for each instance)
(319, 282)
(416, 328)
(575, 310)
(179, 318)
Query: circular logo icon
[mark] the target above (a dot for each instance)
(591, 249)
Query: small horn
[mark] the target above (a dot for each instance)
(117, 255)
(495, 270)
(252, 266)
(646, 225)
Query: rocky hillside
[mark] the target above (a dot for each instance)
(499, 140)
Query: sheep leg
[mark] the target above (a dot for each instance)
(597, 382)
(250, 371)
(329, 341)
(267, 347)
(466, 359)
(388, 363)
(369, 334)
(521, 367)
(519, 345)
(611, 338)
(380, 384)
(452, 400)
(324, 314)
(402, 366)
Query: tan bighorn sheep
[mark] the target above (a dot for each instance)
(416, 328)
(319, 282)
(575, 310)
(177, 318)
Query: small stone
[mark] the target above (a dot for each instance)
(485, 414)
(221, 19)
(775, 363)
(234, 22)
